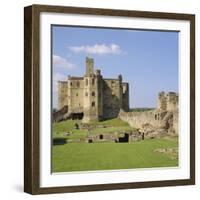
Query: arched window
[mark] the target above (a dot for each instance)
(71, 83)
(93, 104)
(93, 81)
(86, 94)
(93, 94)
(86, 82)
(78, 83)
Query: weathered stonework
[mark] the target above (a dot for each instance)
(167, 101)
(92, 97)
(161, 121)
(118, 137)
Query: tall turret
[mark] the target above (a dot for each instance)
(90, 93)
(162, 103)
(89, 66)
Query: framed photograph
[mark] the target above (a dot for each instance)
(109, 99)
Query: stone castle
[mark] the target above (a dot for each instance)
(92, 97)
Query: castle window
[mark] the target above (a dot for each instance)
(78, 83)
(71, 83)
(76, 94)
(93, 94)
(86, 94)
(86, 81)
(93, 104)
(93, 81)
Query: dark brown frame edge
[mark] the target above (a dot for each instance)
(32, 106)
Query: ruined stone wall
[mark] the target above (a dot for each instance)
(154, 120)
(175, 121)
(62, 94)
(75, 95)
(137, 119)
(112, 99)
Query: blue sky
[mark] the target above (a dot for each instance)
(147, 60)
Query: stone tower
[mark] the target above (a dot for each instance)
(92, 85)
(89, 66)
(172, 101)
(162, 103)
(167, 101)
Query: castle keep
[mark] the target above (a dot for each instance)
(93, 97)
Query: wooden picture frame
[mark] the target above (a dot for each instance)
(32, 97)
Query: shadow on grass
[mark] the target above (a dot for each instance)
(59, 141)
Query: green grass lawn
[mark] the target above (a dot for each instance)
(105, 156)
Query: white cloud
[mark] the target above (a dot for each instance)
(57, 77)
(60, 62)
(97, 49)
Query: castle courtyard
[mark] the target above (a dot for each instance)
(72, 152)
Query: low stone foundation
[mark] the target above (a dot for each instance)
(118, 137)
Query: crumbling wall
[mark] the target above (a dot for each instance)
(154, 121)
(58, 115)
(75, 94)
(111, 98)
(62, 94)
(175, 121)
(137, 119)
